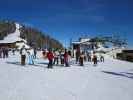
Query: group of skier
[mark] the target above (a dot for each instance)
(63, 57)
(4, 52)
(90, 57)
(56, 56)
(31, 52)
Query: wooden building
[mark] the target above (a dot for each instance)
(126, 55)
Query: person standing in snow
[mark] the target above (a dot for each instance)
(23, 55)
(56, 57)
(35, 53)
(31, 56)
(69, 57)
(44, 54)
(70, 53)
(50, 57)
(62, 57)
(66, 58)
(94, 59)
(13, 51)
(101, 58)
(89, 57)
(77, 55)
(6, 52)
(81, 59)
(85, 55)
(0, 52)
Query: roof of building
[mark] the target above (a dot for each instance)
(13, 37)
(82, 41)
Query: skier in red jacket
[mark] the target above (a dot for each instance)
(66, 58)
(50, 57)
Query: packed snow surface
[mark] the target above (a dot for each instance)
(111, 80)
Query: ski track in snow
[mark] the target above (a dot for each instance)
(111, 80)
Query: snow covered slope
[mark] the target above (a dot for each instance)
(13, 37)
(112, 80)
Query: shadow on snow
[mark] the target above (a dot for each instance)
(36, 65)
(123, 74)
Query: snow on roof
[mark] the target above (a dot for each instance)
(103, 49)
(82, 41)
(20, 45)
(76, 42)
(86, 42)
(13, 37)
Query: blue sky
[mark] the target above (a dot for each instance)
(65, 19)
